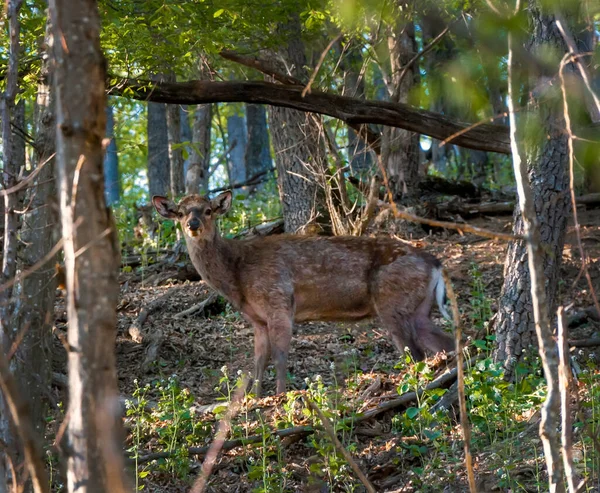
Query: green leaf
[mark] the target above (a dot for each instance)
(218, 13)
(412, 412)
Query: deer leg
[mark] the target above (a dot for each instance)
(261, 355)
(401, 330)
(280, 335)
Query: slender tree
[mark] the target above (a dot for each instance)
(91, 250)
(159, 173)
(112, 182)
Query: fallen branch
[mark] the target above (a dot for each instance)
(135, 330)
(339, 447)
(593, 342)
(462, 228)
(198, 307)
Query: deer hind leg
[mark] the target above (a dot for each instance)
(401, 330)
(280, 335)
(262, 349)
(430, 337)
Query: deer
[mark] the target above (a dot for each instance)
(276, 281)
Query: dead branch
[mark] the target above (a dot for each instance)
(464, 417)
(338, 445)
(593, 342)
(198, 307)
(567, 116)
(353, 111)
(253, 180)
(28, 179)
(261, 65)
(462, 228)
(319, 63)
(222, 431)
(135, 330)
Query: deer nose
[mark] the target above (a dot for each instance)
(193, 224)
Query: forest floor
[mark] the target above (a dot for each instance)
(183, 365)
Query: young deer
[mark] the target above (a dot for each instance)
(278, 280)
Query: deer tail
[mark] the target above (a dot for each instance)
(437, 280)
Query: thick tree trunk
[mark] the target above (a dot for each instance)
(299, 150)
(400, 148)
(112, 182)
(94, 448)
(196, 177)
(236, 134)
(175, 150)
(546, 156)
(258, 151)
(158, 150)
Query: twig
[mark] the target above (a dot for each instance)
(24, 182)
(464, 417)
(260, 65)
(222, 431)
(339, 447)
(26, 273)
(576, 57)
(19, 410)
(198, 307)
(410, 63)
(253, 180)
(319, 63)
(565, 385)
(448, 225)
(569, 130)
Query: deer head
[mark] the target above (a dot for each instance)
(196, 214)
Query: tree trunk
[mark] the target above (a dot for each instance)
(236, 134)
(258, 151)
(196, 177)
(546, 156)
(359, 155)
(112, 182)
(94, 448)
(299, 150)
(175, 150)
(13, 154)
(400, 148)
(158, 150)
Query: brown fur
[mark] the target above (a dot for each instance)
(278, 280)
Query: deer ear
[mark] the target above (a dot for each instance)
(221, 203)
(165, 207)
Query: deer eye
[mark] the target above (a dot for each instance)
(207, 212)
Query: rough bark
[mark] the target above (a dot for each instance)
(546, 158)
(258, 151)
(32, 362)
(399, 147)
(175, 150)
(94, 446)
(237, 140)
(299, 149)
(486, 137)
(13, 160)
(158, 150)
(196, 177)
(112, 182)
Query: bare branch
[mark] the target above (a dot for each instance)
(462, 402)
(222, 431)
(339, 447)
(319, 63)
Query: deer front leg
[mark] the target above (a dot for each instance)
(261, 355)
(280, 335)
